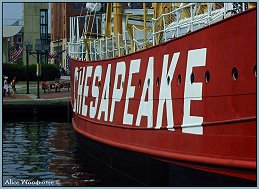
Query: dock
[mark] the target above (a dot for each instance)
(49, 104)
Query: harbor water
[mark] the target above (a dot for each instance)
(45, 153)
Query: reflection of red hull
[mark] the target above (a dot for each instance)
(224, 142)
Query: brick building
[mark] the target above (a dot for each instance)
(60, 19)
(60, 14)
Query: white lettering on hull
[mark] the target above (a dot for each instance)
(80, 90)
(193, 91)
(165, 95)
(95, 90)
(74, 90)
(104, 104)
(146, 107)
(86, 89)
(134, 68)
(117, 92)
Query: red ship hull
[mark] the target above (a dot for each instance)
(190, 101)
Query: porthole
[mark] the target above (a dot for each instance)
(139, 83)
(168, 80)
(157, 82)
(255, 72)
(207, 76)
(235, 73)
(179, 80)
(192, 78)
(148, 82)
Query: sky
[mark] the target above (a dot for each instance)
(12, 10)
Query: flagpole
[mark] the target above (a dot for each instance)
(27, 70)
(28, 48)
(38, 49)
(38, 75)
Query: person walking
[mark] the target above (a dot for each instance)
(6, 87)
(13, 86)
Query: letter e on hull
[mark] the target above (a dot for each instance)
(193, 91)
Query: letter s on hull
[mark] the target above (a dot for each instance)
(95, 90)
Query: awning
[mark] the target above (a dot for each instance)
(10, 31)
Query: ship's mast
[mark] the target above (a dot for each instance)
(158, 10)
(108, 20)
(117, 20)
(251, 5)
(117, 15)
(145, 24)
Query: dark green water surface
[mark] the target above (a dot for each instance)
(45, 153)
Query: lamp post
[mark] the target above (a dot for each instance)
(59, 62)
(37, 48)
(28, 48)
(38, 75)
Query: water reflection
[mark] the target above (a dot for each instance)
(41, 152)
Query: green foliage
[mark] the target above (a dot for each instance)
(32, 72)
(14, 70)
(48, 72)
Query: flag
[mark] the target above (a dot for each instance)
(54, 55)
(16, 54)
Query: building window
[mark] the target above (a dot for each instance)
(77, 5)
(19, 39)
(44, 32)
(44, 25)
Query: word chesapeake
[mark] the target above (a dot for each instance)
(92, 100)
(30, 182)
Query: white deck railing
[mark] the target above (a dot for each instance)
(165, 27)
